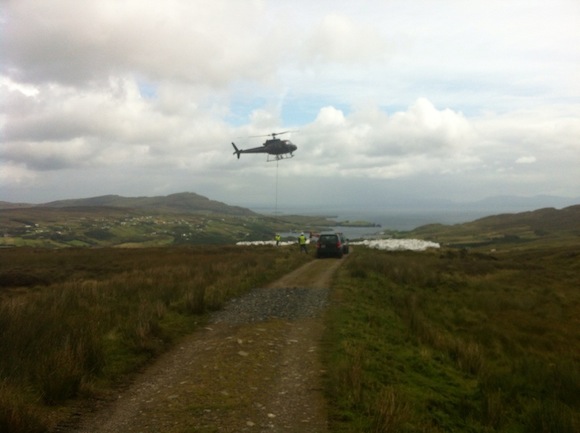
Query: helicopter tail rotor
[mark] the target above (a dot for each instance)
(236, 151)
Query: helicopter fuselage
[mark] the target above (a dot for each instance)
(274, 146)
(279, 147)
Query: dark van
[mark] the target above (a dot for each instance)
(333, 244)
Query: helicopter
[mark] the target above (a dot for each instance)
(276, 148)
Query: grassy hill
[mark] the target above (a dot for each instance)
(449, 341)
(434, 341)
(185, 202)
(189, 218)
(542, 225)
(112, 220)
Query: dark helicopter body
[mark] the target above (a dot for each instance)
(281, 149)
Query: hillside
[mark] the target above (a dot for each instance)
(185, 202)
(9, 205)
(112, 220)
(540, 225)
(189, 218)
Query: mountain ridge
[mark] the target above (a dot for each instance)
(492, 205)
(540, 224)
(539, 219)
(184, 202)
(188, 218)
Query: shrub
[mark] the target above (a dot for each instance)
(108, 314)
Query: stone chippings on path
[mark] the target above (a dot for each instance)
(255, 368)
(265, 304)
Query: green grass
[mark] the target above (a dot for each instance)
(440, 341)
(75, 321)
(455, 341)
(542, 227)
(105, 226)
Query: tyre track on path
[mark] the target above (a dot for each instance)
(254, 368)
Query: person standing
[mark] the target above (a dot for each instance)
(277, 239)
(302, 242)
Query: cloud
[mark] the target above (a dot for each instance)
(126, 97)
(526, 160)
(424, 129)
(74, 43)
(373, 143)
(338, 39)
(49, 155)
(16, 174)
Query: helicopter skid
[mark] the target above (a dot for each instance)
(272, 158)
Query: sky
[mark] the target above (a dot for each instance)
(388, 101)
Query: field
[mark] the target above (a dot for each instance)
(540, 227)
(105, 227)
(481, 335)
(74, 322)
(453, 340)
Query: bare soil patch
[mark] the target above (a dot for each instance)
(255, 368)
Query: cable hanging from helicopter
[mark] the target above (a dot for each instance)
(275, 148)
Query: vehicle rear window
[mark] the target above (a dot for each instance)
(327, 238)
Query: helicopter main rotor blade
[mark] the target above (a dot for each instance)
(280, 133)
(272, 134)
(284, 132)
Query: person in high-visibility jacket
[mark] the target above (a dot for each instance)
(302, 242)
(277, 239)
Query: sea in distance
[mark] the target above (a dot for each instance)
(389, 220)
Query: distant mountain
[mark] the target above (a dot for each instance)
(185, 202)
(403, 203)
(8, 205)
(517, 203)
(540, 220)
(540, 224)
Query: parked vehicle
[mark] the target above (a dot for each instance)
(331, 244)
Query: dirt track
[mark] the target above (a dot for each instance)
(258, 376)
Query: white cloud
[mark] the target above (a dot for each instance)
(526, 160)
(13, 87)
(457, 100)
(330, 117)
(337, 39)
(16, 174)
(49, 155)
(197, 42)
(373, 143)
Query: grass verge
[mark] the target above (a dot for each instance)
(455, 341)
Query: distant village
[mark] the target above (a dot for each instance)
(86, 230)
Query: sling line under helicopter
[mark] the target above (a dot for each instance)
(276, 150)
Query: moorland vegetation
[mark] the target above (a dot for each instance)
(479, 339)
(481, 335)
(546, 226)
(74, 322)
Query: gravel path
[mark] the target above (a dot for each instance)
(266, 304)
(254, 368)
